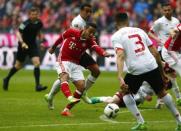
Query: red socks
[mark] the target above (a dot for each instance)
(77, 95)
(65, 89)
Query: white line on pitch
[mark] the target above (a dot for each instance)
(78, 124)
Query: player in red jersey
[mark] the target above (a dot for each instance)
(172, 49)
(73, 44)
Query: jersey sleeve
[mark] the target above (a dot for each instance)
(148, 40)
(116, 42)
(77, 24)
(93, 45)
(155, 27)
(179, 27)
(22, 27)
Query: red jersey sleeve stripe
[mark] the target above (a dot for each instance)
(179, 27)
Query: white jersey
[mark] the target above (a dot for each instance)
(135, 42)
(78, 22)
(162, 27)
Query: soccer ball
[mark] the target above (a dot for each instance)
(111, 110)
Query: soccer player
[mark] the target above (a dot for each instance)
(160, 32)
(79, 22)
(140, 97)
(133, 46)
(27, 46)
(74, 43)
(171, 51)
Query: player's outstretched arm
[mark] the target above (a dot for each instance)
(152, 35)
(159, 62)
(120, 64)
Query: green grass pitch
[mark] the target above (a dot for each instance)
(23, 109)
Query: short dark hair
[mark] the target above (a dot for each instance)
(165, 4)
(91, 24)
(121, 17)
(85, 5)
(34, 9)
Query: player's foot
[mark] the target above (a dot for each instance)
(66, 112)
(86, 99)
(178, 128)
(41, 88)
(95, 100)
(49, 101)
(139, 127)
(159, 104)
(5, 84)
(178, 101)
(71, 99)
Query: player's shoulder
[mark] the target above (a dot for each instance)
(78, 22)
(175, 20)
(24, 24)
(78, 19)
(159, 20)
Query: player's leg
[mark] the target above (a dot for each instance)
(171, 60)
(177, 67)
(89, 63)
(65, 72)
(79, 82)
(20, 58)
(133, 82)
(50, 96)
(77, 94)
(54, 90)
(36, 63)
(155, 80)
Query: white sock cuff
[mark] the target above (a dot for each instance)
(64, 82)
(78, 92)
(128, 99)
(91, 78)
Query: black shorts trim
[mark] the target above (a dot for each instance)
(153, 78)
(86, 60)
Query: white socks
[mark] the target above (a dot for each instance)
(131, 105)
(171, 106)
(55, 89)
(89, 82)
(175, 88)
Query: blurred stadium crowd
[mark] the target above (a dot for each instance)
(57, 14)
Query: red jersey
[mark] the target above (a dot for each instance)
(72, 46)
(174, 44)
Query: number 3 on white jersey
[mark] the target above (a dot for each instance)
(138, 42)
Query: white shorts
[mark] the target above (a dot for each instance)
(74, 70)
(173, 58)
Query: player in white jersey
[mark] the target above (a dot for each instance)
(133, 46)
(160, 32)
(171, 51)
(86, 60)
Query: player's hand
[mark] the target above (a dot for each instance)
(123, 85)
(106, 54)
(51, 50)
(24, 46)
(165, 79)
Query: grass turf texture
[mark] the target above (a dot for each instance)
(23, 109)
